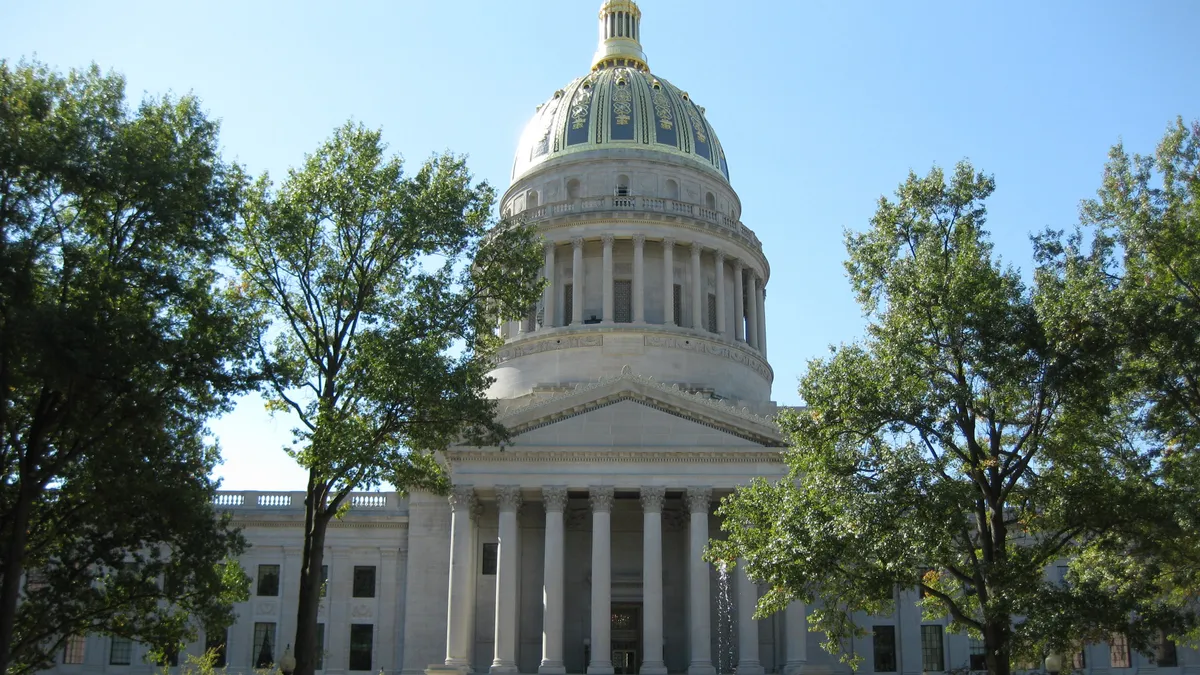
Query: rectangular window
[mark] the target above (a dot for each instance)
(1164, 653)
(677, 304)
(623, 301)
(568, 303)
(1118, 651)
(263, 650)
(74, 650)
(978, 655)
(215, 641)
(933, 659)
(1078, 660)
(268, 581)
(490, 552)
(320, 646)
(324, 579)
(364, 581)
(712, 313)
(361, 635)
(121, 652)
(1062, 574)
(884, 645)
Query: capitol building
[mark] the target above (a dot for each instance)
(638, 394)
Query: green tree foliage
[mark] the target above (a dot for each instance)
(974, 439)
(114, 351)
(1134, 269)
(377, 294)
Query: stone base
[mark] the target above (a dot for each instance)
(552, 668)
(656, 668)
(701, 668)
(443, 669)
(503, 669)
(600, 669)
(750, 669)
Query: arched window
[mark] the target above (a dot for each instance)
(622, 185)
(710, 201)
(672, 189)
(573, 188)
(531, 199)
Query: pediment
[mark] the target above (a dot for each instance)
(631, 411)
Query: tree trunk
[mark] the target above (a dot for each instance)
(996, 648)
(312, 556)
(13, 566)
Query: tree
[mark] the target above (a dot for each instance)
(115, 348)
(378, 295)
(974, 438)
(1135, 264)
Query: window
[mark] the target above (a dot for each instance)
(1062, 574)
(361, 635)
(677, 304)
(978, 655)
(74, 650)
(490, 551)
(320, 647)
(884, 645)
(324, 579)
(712, 313)
(1079, 660)
(531, 199)
(530, 319)
(263, 651)
(623, 301)
(932, 657)
(121, 652)
(710, 201)
(573, 188)
(622, 186)
(1118, 651)
(1164, 652)
(364, 581)
(568, 303)
(672, 190)
(215, 641)
(268, 580)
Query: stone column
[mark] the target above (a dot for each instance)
(668, 281)
(607, 240)
(752, 310)
(747, 592)
(458, 620)
(652, 581)
(602, 502)
(795, 622)
(697, 288)
(639, 278)
(508, 499)
(548, 294)
(701, 623)
(719, 261)
(577, 281)
(762, 318)
(739, 305)
(555, 500)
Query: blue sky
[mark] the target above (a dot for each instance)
(822, 107)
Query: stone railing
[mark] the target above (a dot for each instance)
(636, 203)
(253, 499)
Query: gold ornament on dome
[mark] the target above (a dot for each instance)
(623, 102)
(579, 108)
(696, 123)
(662, 107)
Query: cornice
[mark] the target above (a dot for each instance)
(333, 524)
(509, 455)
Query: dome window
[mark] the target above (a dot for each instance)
(622, 186)
(573, 188)
(710, 201)
(531, 199)
(672, 190)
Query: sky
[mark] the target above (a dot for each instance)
(822, 108)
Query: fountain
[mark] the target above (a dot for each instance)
(725, 662)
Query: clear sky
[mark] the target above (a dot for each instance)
(822, 107)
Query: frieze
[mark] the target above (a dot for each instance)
(712, 348)
(548, 345)
(611, 457)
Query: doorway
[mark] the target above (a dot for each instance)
(626, 638)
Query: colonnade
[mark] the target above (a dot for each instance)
(554, 500)
(748, 282)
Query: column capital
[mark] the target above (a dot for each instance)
(738, 264)
(476, 510)
(697, 248)
(601, 498)
(668, 242)
(549, 246)
(698, 499)
(577, 242)
(652, 498)
(462, 498)
(607, 239)
(508, 497)
(719, 255)
(555, 498)
(639, 239)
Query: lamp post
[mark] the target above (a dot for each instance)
(287, 663)
(1054, 662)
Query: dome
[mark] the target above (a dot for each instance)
(620, 105)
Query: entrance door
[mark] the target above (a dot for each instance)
(626, 638)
